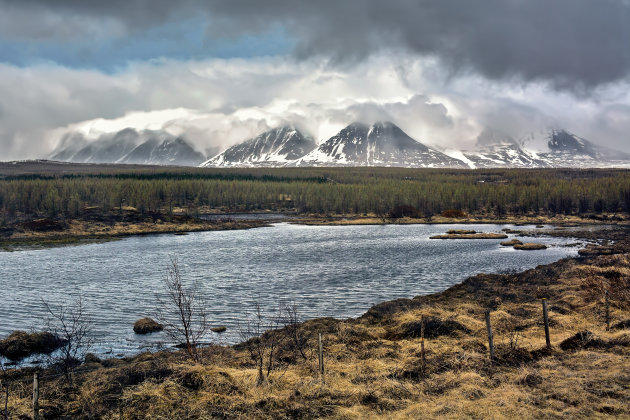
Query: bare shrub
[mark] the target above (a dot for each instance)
(511, 332)
(297, 337)
(74, 328)
(183, 311)
(262, 337)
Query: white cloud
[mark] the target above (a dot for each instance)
(217, 101)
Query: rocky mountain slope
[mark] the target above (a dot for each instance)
(275, 147)
(381, 144)
(358, 144)
(568, 150)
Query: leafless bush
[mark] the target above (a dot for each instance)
(262, 338)
(72, 325)
(183, 311)
(511, 333)
(297, 338)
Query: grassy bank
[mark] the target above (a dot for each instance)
(373, 364)
(105, 226)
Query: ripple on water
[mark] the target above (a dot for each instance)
(337, 271)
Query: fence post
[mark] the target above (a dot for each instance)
(607, 304)
(36, 396)
(422, 354)
(321, 357)
(546, 319)
(490, 337)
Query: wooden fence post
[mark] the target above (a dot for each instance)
(422, 354)
(490, 337)
(321, 357)
(607, 313)
(36, 396)
(546, 319)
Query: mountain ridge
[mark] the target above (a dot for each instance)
(152, 147)
(380, 144)
(277, 146)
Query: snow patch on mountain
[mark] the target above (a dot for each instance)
(275, 147)
(381, 144)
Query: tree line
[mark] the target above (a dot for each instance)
(320, 190)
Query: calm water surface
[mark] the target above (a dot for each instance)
(337, 271)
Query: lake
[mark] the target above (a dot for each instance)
(337, 271)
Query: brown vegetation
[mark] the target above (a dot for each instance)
(530, 246)
(453, 214)
(461, 232)
(21, 344)
(511, 242)
(147, 326)
(107, 226)
(470, 236)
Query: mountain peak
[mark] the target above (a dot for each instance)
(561, 141)
(129, 146)
(274, 147)
(381, 144)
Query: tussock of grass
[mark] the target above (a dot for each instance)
(146, 326)
(470, 236)
(530, 246)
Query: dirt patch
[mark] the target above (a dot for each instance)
(511, 242)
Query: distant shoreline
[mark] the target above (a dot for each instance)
(46, 233)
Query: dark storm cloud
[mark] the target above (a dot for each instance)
(572, 43)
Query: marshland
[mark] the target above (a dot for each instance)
(402, 322)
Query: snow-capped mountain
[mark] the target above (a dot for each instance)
(128, 146)
(496, 150)
(275, 147)
(566, 149)
(382, 144)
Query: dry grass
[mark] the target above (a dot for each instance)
(530, 246)
(374, 366)
(470, 236)
(85, 230)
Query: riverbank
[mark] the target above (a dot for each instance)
(47, 232)
(98, 226)
(373, 364)
(540, 220)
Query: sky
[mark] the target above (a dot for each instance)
(218, 72)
